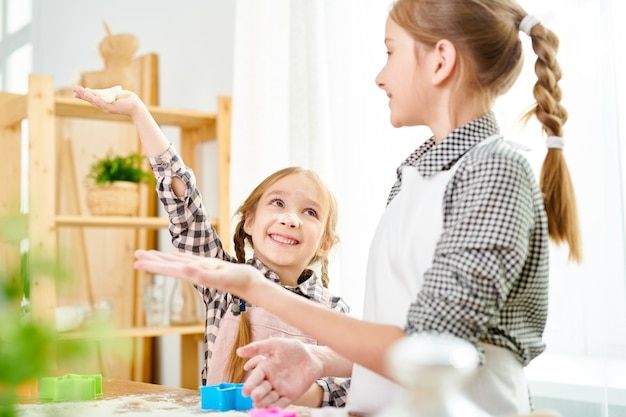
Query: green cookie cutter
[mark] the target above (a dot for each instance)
(70, 387)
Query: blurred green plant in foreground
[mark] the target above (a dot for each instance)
(28, 350)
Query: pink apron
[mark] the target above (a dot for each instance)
(263, 324)
(403, 248)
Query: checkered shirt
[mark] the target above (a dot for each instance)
(192, 232)
(488, 282)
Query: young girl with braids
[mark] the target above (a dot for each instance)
(288, 222)
(462, 247)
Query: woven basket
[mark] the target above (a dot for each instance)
(119, 198)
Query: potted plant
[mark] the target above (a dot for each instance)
(114, 185)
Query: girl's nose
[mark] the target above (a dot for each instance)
(289, 219)
(379, 81)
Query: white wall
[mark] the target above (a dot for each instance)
(193, 38)
(194, 42)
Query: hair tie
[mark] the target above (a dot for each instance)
(555, 142)
(527, 23)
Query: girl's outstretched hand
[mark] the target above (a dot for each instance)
(126, 102)
(236, 279)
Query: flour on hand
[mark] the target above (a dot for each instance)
(110, 94)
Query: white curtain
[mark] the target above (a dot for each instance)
(304, 94)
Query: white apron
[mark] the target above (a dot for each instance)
(402, 250)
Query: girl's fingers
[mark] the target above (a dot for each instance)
(158, 267)
(260, 393)
(254, 362)
(177, 257)
(270, 400)
(256, 377)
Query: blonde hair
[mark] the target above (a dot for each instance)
(234, 368)
(486, 37)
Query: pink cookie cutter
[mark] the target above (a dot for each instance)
(272, 412)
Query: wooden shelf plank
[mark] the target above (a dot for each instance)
(137, 332)
(113, 221)
(12, 108)
(162, 331)
(116, 221)
(189, 119)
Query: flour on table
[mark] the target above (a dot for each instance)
(329, 412)
(132, 406)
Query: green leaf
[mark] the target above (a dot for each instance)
(118, 168)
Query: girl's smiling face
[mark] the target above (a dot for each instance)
(288, 225)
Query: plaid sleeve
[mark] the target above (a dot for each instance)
(190, 227)
(488, 278)
(335, 391)
(191, 232)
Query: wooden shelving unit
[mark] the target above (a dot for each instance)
(49, 120)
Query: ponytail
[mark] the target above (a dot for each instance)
(234, 369)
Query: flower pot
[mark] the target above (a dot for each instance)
(119, 198)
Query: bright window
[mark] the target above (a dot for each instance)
(18, 66)
(19, 15)
(15, 45)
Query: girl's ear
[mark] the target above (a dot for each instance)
(445, 61)
(325, 247)
(248, 224)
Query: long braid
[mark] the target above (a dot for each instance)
(234, 369)
(324, 271)
(239, 240)
(555, 180)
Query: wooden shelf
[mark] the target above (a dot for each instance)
(13, 108)
(99, 256)
(113, 221)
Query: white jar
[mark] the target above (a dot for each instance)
(432, 367)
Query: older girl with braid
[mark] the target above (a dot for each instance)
(288, 226)
(462, 247)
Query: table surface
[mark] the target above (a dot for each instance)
(115, 388)
(141, 397)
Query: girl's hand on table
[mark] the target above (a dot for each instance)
(282, 371)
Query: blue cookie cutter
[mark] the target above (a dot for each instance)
(70, 387)
(224, 397)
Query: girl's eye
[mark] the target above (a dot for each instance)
(277, 203)
(311, 212)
